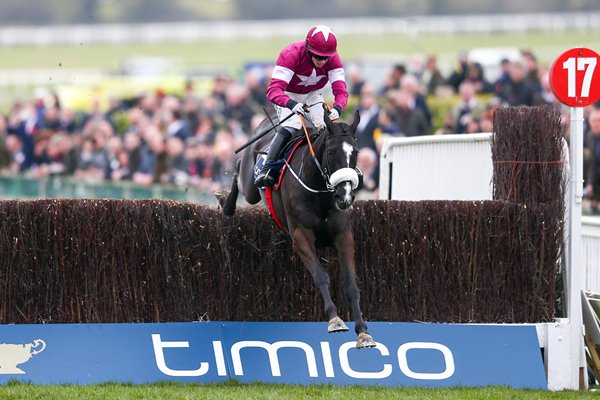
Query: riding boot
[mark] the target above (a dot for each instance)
(266, 176)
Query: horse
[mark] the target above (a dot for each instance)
(311, 205)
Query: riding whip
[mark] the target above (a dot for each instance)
(256, 137)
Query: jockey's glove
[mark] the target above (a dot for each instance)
(334, 114)
(299, 109)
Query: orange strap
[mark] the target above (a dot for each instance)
(312, 152)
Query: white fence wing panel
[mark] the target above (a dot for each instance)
(448, 167)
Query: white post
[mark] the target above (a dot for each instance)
(574, 268)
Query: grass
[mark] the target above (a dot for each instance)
(234, 53)
(233, 391)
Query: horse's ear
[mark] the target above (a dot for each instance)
(328, 122)
(355, 122)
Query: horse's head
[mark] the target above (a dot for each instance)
(339, 159)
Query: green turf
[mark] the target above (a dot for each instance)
(234, 391)
(234, 53)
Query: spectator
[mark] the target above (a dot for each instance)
(41, 160)
(220, 84)
(153, 157)
(3, 126)
(412, 85)
(369, 111)
(207, 126)
(21, 122)
(593, 176)
(486, 122)
(410, 119)
(355, 80)
(239, 109)
(201, 160)
(476, 76)
(190, 114)
(467, 109)
(67, 120)
(132, 145)
(175, 125)
(93, 161)
(473, 125)
(4, 155)
(432, 77)
(169, 103)
(460, 71)
(533, 69)
(51, 118)
(15, 149)
(546, 95)
(416, 66)
(149, 103)
(224, 163)
(368, 163)
(138, 120)
(257, 90)
(386, 126)
(392, 80)
(59, 145)
(518, 91)
(504, 77)
(177, 165)
(122, 170)
(114, 147)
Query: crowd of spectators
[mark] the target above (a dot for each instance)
(189, 141)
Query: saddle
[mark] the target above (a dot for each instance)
(279, 166)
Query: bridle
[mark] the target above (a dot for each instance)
(331, 180)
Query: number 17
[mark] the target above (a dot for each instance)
(587, 64)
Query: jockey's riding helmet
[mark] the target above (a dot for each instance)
(321, 41)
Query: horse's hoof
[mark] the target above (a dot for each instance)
(336, 325)
(221, 197)
(364, 341)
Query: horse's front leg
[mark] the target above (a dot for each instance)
(344, 244)
(304, 245)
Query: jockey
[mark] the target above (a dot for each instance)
(302, 70)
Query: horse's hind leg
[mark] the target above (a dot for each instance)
(344, 244)
(304, 244)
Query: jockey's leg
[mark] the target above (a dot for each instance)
(266, 176)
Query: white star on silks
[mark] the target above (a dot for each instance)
(325, 30)
(313, 79)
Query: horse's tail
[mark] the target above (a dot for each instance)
(228, 200)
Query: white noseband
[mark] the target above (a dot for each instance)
(343, 175)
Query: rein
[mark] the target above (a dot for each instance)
(331, 181)
(324, 173)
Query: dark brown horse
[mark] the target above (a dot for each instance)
(312, 205)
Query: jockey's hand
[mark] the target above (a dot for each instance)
(300, 110)
(334, 114)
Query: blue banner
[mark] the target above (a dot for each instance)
(407, 354)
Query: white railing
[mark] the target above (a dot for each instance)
(190, 31)
(440, 167)
(590, 240)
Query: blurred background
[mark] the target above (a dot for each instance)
(147, 98)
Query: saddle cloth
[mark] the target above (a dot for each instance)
(278, 166)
